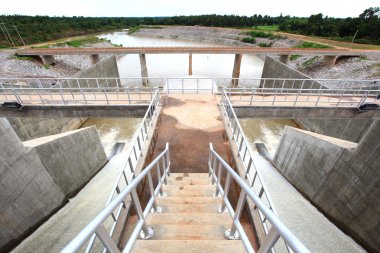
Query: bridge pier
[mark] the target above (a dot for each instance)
(47, 59)
(236, 70)
(144, 69)
(330, 60)
(284, 58)
(190, 64)
(94, 58)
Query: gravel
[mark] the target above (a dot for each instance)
(66, 65)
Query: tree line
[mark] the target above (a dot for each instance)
(34, 29)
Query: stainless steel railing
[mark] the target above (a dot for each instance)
(133, 154)
(246, 155)
(303, 97)
(162, 164)
(218, 168)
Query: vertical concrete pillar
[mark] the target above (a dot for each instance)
(144, 69)
(190, 64)
(330, 60)
(284, 58)
(47, 59)
(94, 58)
(236, 71)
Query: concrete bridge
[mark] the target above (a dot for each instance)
(330, 55)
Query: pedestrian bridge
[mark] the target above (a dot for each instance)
(123, 97)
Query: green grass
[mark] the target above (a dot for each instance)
(263, 44)
(3, 46)
(307, 44)
(269, 28)
(44, 46)
(310, 61)
(261, 34)
(250, 40)
(294, 57)
(22, 58)
(84, 41)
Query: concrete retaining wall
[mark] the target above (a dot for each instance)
(106, 69)
(339, 177)
(71, 158)
(29, 189)
(30, 128)
(348, 129)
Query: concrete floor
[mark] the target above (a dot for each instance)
(55, 233)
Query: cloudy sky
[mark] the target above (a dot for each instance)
(139, 8)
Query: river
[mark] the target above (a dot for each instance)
(176, 65)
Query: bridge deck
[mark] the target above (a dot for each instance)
(195, 50)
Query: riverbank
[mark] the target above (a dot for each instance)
(347, 68)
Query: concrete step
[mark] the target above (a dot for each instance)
(189, 181)
(188, 232)
(222, 246)
(189, 219)
(189, 190)
(189, 200)
(189, 208)
(188, 175)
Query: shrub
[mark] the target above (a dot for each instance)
(251, 40)
(263, 44)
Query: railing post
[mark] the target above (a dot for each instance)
(270, 240)
(219, 175)
(225, 194)
(146, 232)
(232, 233)
(156, 209)
(107, 241)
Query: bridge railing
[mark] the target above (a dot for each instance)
(220, 169)
(97, 226)
(245, 153)
(127, 174)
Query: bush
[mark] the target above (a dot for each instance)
(307, 44)
(294, 57)
(251, 40)
(263, 44)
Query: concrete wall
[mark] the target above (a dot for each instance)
(276, 69)
(71, 158)
(27, 191)
(35, 178)
(30, 128)
(339, 177)
(106, 69)
(348, 129)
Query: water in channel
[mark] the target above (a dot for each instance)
(176, 65)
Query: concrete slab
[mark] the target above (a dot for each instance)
(301, 217)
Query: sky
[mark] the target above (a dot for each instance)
(152, 8)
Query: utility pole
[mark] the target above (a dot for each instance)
(19, 35)
(354, 37)
(6, 32)
(5, 35)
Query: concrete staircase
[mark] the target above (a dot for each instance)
(189, 221)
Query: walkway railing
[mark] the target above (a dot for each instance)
(246, 155)
(298, 97)
(133, 154)
(220, 169)
(162, 165)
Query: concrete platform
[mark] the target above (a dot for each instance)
(301, 217)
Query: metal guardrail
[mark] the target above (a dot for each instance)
(244, 151)
(303, 97)
(162, 164)
(128, 171)
(216, 167)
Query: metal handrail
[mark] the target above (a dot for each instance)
(96, 225)
(246, 155)
(278, 229)
(303, 97)
(133, 154)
